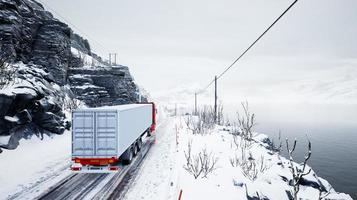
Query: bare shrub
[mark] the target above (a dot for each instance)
(249, 168)
(263, 165)
(249, 165)
(201, 164)
(206, 115)
(195, 125)
(188, 120)
(277, 148)
(193, 165)
(323, 195)
(234, 129)
(280, 147)
(7, 73)
(246, 122)
(220, 114)
(297, 171)
(236, 142)
(71, 103)
(202, 122)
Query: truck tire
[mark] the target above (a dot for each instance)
(135, 149)
(127, 156)
(148, 133)
(140, 144)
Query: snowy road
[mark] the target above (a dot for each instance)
(67, 185)
(93, 186)
(155, 178)
(148, 177)
(49, 176)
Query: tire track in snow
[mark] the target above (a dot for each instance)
(153, 179)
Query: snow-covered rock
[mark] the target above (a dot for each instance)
(110, 85)
(53, 63)
(30, 104)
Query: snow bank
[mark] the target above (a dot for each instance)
(35, 163)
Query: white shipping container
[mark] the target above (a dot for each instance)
(108, 131)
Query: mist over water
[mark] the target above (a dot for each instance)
(331, 128)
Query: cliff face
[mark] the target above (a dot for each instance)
(31, 34)
(51, 64)
(105, 86)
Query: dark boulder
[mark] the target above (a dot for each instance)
(19, 132)
(5, 102)
(50, 122)
(24, 117)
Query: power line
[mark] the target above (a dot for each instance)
(74, 26)
(236, 60)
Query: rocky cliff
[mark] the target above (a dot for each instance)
(50, 65)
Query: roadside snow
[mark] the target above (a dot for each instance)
(4, 140)
(34, 164)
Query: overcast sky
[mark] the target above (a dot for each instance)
(177, 46)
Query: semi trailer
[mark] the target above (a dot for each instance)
(103, 137)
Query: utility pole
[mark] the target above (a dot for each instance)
(215, 99)
(175, 109)
(196, 103)
(115, 58)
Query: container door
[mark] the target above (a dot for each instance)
(83, 134)
(106, 133)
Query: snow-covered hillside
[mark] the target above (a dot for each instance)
(165, 173)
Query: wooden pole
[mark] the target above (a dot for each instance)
(215, 99)
(115, 58)
(175, 109)
(195, 103)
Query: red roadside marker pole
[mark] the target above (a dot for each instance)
(180, 195)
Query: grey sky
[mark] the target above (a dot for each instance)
(310, 53)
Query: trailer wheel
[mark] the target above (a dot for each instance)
(140, 144)
(148, 133)
(135, 149)
(127, 156)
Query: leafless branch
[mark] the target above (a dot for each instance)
(297, 171)
(246, 122)
(202, 163)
